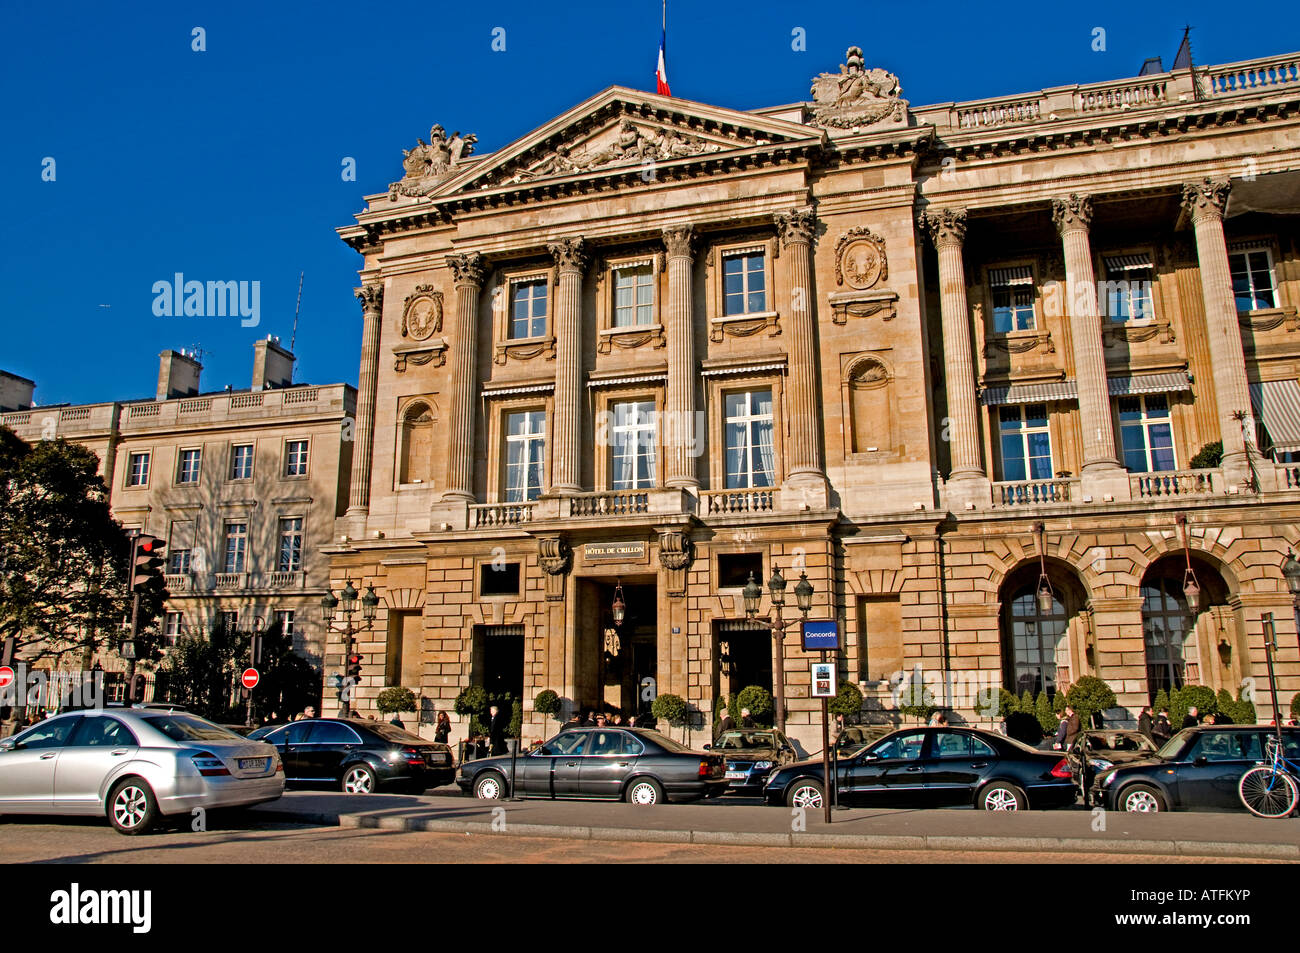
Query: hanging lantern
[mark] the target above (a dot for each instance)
(619, 608)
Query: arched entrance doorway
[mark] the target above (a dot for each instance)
(1177, 652)
(1037, 639)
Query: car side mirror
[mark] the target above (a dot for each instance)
(869, 756)
(708, 747)
(10, 745)
(543, 750)
(1201, 761)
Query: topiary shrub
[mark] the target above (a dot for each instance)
(1295, 705)
(1047, 719)
(1161, 701)
(394, 700)
(1241, 711)
(1208, 457)
(847, 702)
(1182, 699)
(917, 701)
(1026, 702)
(547, 704)
(1227, 707)
(759, 702)
(672, 709)
(472, 703)
(1089, 695)
(1008, 703)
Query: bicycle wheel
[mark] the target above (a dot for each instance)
(1268, 793)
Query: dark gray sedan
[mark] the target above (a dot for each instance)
(632, 764)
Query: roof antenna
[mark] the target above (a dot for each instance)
(296, 308)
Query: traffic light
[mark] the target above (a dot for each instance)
(256, 649)
(354, 667)
(146, 560)
(135, 689)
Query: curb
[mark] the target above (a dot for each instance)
(932, 842)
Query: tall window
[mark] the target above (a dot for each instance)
(1252, 279)
(174, 627)
(632, 440)
(744, 289)
(229, 619)
(286, 619)
(1034, 637)
(241, 462)
(1128, 288)
(187, 469)
(1146, 434)
(178, 561)
(290, 544)
(749, 439)
(1166, 622)
(295, 458)
(634, 296)
(1013, 298)
(236, 546)
(525, 451)
(528, 308)
(138, 472)
(1026, 442)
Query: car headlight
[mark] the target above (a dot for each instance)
(762, 765)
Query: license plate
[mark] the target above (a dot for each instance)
(253, 764)
(438, 759)
(737, 775)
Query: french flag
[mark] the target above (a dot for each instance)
(661, 74)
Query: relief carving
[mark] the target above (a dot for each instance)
(860, 259)
(856, 96)
(422, 313)
(429, 163)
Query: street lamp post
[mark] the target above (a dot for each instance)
(775, 624)
(255, 658)
(1270, 646)
(345, 604)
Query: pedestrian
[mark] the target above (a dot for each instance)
(1210, 719)
(575, 721)
(1162, 730)
(497, 726)
(1058, 742)
(442, 729)
(1192, 718)
(1144, 722)
(745, 720)
(591, 719)
(1073, 725)
(938, 720)
(397, 721)
(600, 720)
(618, 719)
(725, 723)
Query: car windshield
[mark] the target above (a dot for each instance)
(393, 733)
(1170, 749)
(732, 740)
(189, 728)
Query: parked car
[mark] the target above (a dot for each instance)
(632, 764)
(751, 754)
(1197, 769)
(359, 756)
(134, 765)
(1097, 750)
(856, 737)
(934, 767)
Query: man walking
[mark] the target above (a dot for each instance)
(1144, 722)
(497, 726)
(1192, 718)
(1162, 730)
(725, 723)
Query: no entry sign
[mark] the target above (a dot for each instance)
(6, 676)
(250, 678)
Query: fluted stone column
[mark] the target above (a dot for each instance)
(804, 451)
(1204, 202)
(468, 272)
(947, 228)
(372, 307)
(679, 437)
(566, 456)
(1072, 216)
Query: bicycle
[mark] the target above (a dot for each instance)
(1270, 790)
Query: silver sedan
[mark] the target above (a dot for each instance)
(135, 766)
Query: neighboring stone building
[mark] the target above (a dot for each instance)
(244, 485)
(662, 345)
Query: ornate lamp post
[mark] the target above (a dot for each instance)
(1191, 588)
(773, 622)
(345, 604)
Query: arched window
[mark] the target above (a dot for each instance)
(416, 446)
(1166, 623)
(1033, 640)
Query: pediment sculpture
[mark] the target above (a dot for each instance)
(633, 144)
(856, 96)
(429, 163)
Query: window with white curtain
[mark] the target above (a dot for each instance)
(749, 453)
(632, 445)
(525, 451)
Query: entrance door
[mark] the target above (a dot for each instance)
(744, 657)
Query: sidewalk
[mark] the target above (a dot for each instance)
(749, 823)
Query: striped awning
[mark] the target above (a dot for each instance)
(1030, 393)
(1171, 383)
(741, 369)
(635, 379)
(539, 388)
(1277, 403)
(1016, 275)
(1127, 262)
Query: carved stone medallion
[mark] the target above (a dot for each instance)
(422, 313)
(860, 259)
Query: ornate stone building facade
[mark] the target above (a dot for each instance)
(951, 362)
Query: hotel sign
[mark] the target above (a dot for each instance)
(615, 552)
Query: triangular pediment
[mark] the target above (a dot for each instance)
(616, 130)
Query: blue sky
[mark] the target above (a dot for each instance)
(226, 164)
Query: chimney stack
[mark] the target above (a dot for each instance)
(15, 392)
(272, 365)
(178, 375)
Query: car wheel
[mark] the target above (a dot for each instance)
(1142, 799)
(490, 787)
(132, 807)
(644, 791)
(1000, 796)
(805, 793)
(358, 779)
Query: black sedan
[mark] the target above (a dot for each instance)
(751, 755)
(1097, 750)
(1197, 769)
(358, 756)
(934, 767)
(631, 764)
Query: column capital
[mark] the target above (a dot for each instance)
(1072, 213)
(946, 226)
(371, 298)
(678, 239)
(570, 254)
(468, 268)
(1206, 199)
(796, 225)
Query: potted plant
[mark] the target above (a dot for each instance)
(394, 700)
